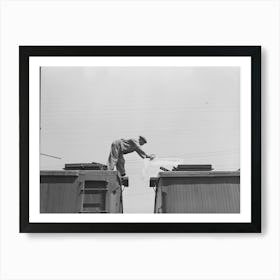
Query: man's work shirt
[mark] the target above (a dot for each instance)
(132, 145)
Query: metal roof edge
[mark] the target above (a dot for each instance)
(198, 174)
(59, 173)
(75, 172)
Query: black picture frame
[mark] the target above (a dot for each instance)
(25, 52)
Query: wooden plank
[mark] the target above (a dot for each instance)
(193, 167)
(85, 166)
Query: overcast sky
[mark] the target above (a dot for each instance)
(190, 113)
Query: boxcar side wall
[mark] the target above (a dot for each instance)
(59, 194)
(80, 192)
(198, 195)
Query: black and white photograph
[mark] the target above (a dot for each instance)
(143, 138)
(140, 140)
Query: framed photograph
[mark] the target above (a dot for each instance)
(140, 138)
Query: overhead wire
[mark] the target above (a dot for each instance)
(47, 155)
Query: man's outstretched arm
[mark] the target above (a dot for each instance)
(142, 154)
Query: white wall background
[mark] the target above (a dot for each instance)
(139, 256)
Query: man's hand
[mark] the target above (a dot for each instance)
(151, 157)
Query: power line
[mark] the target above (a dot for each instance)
(46, 155)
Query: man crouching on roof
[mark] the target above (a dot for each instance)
(121, 147)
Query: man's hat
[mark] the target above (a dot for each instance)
(143, 138)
